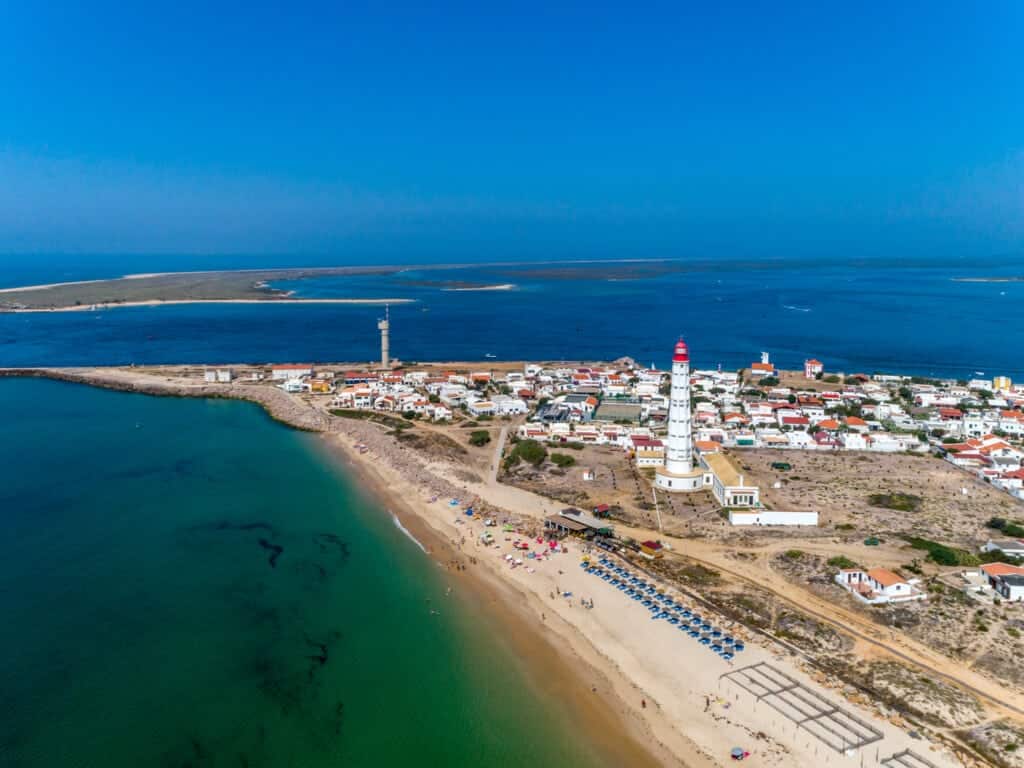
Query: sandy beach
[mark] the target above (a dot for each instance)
(646, 688)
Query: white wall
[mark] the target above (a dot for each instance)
(768, 517)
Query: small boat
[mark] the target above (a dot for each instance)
(490, 356)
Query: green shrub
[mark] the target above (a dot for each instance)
(901, 502)
(794, 554)
(562, 460)
(841, 561)
(940, 554)
(529, 451)
(1014, 530)
(479, 437)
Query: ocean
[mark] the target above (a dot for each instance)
(188, 583)
(865, 316)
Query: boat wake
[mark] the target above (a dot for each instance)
(403, 529)
(793, 308)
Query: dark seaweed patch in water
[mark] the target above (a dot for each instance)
(227, 525)
(339, 717)
(329, 542)
(274, 549)
(322, 656)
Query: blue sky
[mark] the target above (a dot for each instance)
(523, 129)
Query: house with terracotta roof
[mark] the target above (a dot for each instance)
(878, 586)
(856, 424)
(1005, 580)
(758, 370)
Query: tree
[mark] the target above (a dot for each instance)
(529, 451)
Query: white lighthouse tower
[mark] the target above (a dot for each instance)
(384, 326)
(678, 473)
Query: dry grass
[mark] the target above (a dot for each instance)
(840, 487)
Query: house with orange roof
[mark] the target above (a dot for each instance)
(1005, 580)
(758, 370)
(856, 424)
(878, 586)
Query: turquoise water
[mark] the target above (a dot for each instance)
(187, 583)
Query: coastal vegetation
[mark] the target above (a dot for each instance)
(901, 502)
(479, 437)
(562, 460)
(374, 417)
(841, 562)
(940, 554)
(528, 451)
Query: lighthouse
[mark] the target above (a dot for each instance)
(678, 474)
(384, 326)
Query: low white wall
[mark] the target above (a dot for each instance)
(771, 517)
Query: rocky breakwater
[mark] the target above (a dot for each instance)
(278, 404)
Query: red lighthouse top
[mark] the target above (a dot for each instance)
(681, 354)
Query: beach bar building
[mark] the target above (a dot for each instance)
(577, 521)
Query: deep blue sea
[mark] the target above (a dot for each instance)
(869, 315)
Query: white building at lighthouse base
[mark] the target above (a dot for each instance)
(687, 482)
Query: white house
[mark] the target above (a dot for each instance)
(1010, 547)
(480, 407)
(506, 405)
(878, 586)
(285, 372)
(1006, 580)
(728, 485)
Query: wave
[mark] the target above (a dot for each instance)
(403, 529)
(793, 308)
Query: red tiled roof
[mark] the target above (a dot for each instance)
(1002, 569)
(884, 577)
